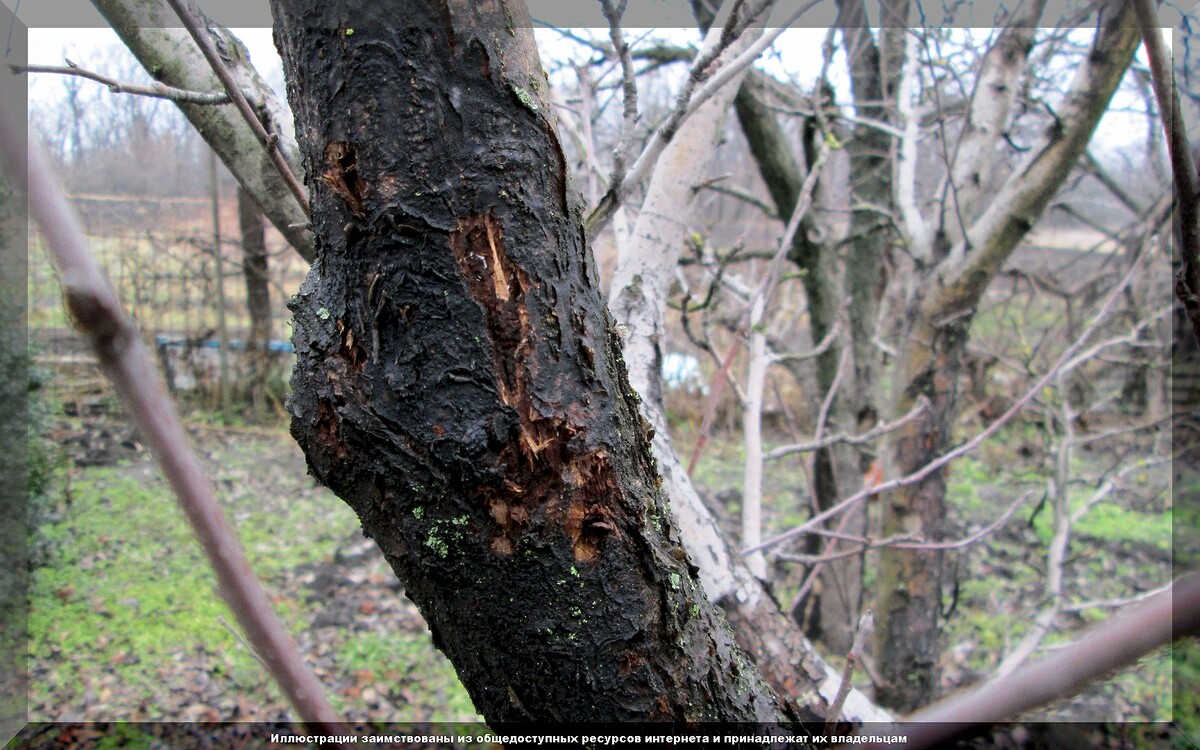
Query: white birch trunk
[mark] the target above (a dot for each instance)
(752, 474)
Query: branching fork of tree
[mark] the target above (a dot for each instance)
(461, 384)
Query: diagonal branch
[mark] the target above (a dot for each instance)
(689, 101)
(870, 435)
(1111, 645)
(987, 115)
(151, 32)
(268, 141)
(970, 445)
(114, 337)
(991, 238)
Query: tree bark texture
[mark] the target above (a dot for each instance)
(459, 383)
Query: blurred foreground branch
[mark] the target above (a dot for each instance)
(117, 343)
(1111, 645)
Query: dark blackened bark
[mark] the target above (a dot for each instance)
(458, 382)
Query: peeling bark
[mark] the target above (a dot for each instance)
(459, 383)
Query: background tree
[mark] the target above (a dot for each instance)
(350, 321)
(255, 270)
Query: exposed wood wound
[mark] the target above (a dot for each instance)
(549, 474)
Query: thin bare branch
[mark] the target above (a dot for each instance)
(690, 99)
(1113, 185)
(967, 541)
(862, 438)
(268, 141)
(969, 446)
(156, 90)
(866, 625)
(830, 336)
(1115, 603)
(97, 312)
(628, 86)
(745, 196)
(900, 541)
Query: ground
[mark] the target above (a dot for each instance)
(125, 624)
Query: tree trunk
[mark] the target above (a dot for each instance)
(258, 297)
(459, 385)
(646, 262)
(645, 268)
(909, 592)
(255, 269)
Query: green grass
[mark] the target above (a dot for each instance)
(128, 591)
(126, 598)
(1186, 695)
(408, 665)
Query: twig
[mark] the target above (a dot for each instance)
(830, 336)
(866, 624)
(831, 394)
(686, 105)
(123, 357)
(1117, 642)
(1115, 603)
(241, 639)
(269, 142)
(628, 86)
(865, 437)
(742, 195)
(965, 448)
(972, 538)
(900, 541)
(156, 90)
(818, 563)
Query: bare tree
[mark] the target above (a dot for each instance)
(454, 288)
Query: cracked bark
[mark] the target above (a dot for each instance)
(459, 384)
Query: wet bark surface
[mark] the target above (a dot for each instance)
(459, 383)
